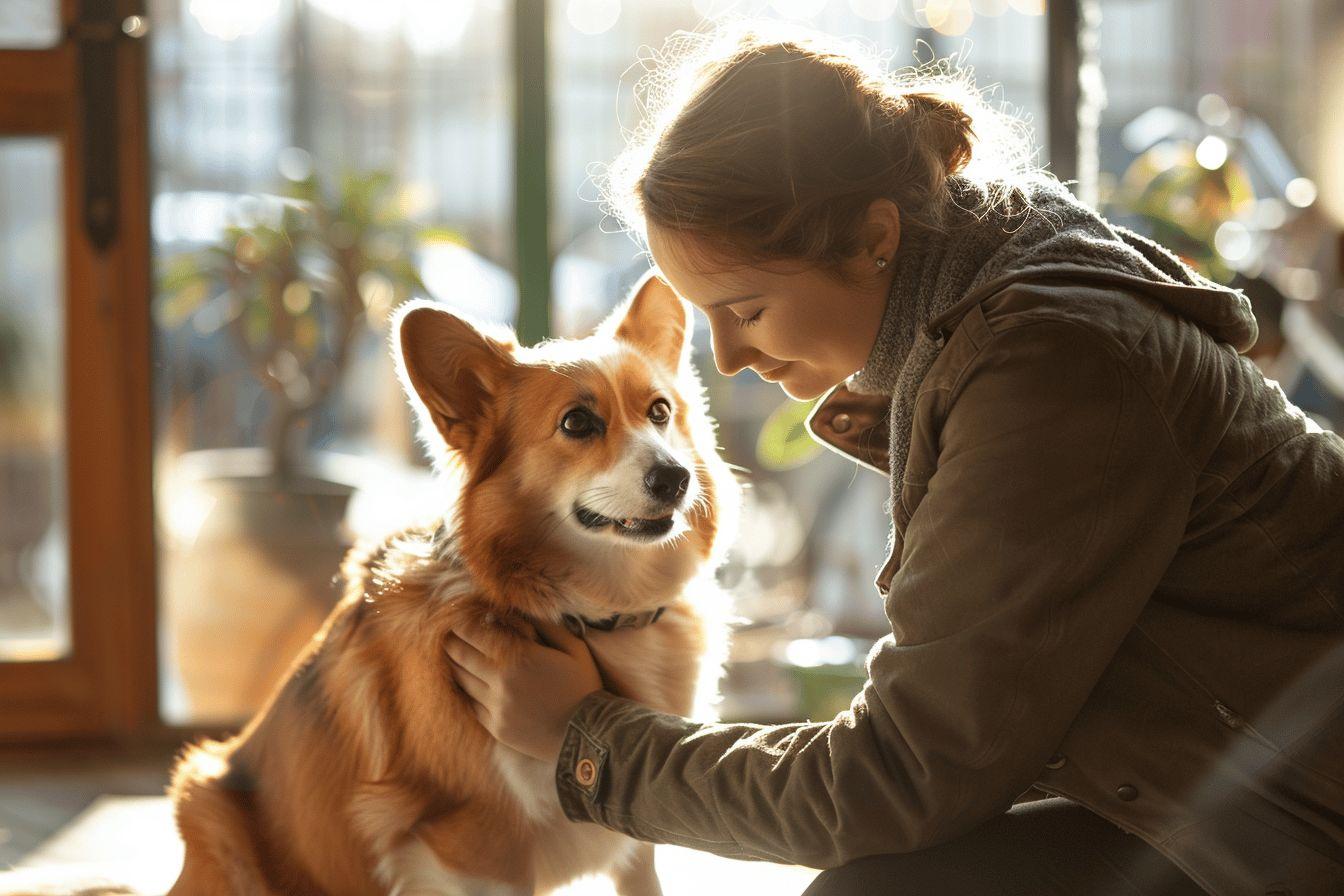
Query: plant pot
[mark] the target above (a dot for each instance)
(248, 573)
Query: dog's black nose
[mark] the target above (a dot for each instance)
(667, 482)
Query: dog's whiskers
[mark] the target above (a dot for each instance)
(597, 493)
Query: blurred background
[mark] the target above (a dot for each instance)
(198, 414)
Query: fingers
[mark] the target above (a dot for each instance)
(473, 687)
(482, 714)
(467, 656)
(487, 640)
(477, 692)
(473, 634)
(559, 637)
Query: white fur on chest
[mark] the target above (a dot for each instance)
(652, 665)
(562, 850)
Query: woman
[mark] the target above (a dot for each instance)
(1117, 552)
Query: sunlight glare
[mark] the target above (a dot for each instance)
(798, 9)
(712, 9)
(873, 10)
(1300, 192)
(1211, 152)
(949, 17)
(593, 16)
(232, 19)
(429, 26)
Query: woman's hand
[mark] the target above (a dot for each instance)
(524, 692)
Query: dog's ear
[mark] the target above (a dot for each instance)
(657, 322)
(451, 369)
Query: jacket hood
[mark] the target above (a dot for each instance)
(1051, 234)
(1224, 313)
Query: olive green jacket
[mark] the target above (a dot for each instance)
(1118, 577)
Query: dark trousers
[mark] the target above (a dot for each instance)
(1053, 847)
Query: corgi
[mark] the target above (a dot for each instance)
(587, 489)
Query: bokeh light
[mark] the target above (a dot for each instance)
(949, 17)
(1211, 152)
(1302, 284)
(1213, 110)
(1269, 214)
(294, 163)
(593, 16)
(712, 9)
(874, 10)
(1300, 192)
(297, 297)
(429, 26)
(232, 19)
(433, 26)
(798, 9)
(1233, 242)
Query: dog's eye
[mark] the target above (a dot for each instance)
(660, 412)
(578, 423)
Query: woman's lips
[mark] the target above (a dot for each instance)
(772, 375)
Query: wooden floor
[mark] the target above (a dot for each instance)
(80, 815)
(42, 791)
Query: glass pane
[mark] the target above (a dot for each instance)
(34, 561)
(814, 530)
(260, 111)
(30, 24)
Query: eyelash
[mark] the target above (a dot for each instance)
(748, 321)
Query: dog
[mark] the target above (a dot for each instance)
(588, 490)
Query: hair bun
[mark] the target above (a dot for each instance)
(774, 144)
(941, 126)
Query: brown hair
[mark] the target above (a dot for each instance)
(770, 149)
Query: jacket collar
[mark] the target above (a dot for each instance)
(853, 424)
(856, 424)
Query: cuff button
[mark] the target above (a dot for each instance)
(841, 423)
(585, 772)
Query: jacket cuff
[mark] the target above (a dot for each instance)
(581, 769)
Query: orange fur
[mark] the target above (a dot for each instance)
(367, 772)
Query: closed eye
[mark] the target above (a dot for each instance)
(748, 321)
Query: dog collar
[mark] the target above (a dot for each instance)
(577, 624)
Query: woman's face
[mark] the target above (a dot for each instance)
(801, 328)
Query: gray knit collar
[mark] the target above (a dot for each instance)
(988, 230)
(1032, 226)
(933, 269)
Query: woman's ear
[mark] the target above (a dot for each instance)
(451, 370)
(881, 232)
(657, 322)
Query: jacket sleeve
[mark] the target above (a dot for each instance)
(1058, 501)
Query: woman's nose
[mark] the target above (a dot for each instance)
(731, 356)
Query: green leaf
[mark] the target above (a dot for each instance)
(441, 235)
(784, 442)
(184, 270)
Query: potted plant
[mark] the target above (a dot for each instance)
(249, 574)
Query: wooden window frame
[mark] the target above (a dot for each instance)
(107, 685)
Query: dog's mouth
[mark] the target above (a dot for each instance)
(629, 527)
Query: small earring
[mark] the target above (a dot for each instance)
(881, 264)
